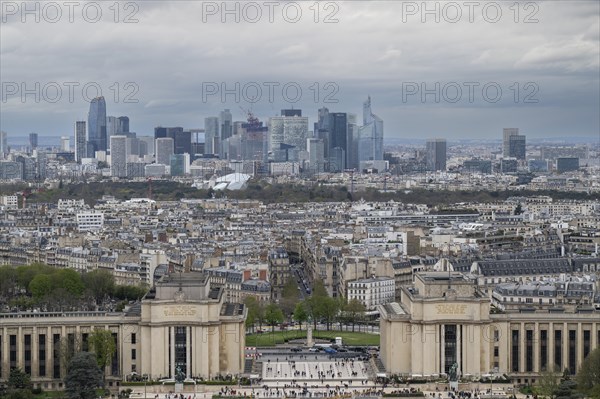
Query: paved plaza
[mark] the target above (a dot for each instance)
(345, 371)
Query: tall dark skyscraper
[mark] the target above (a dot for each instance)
(183, 142)
(338, 139)
(436, 154)
(517, 146)
(33, 141)
(96, 138)
(226, 131)
(160, 132)
(291, 112)
(80, 142)
(123, 124)
(507, 133)
(182, 139)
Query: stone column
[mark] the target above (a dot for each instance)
(551, 365)
(49, 352)
(579, 345)
(20, 349)
(34, 353)
(172, 349)
(442, 348)
(536, 347)
(522, 347)
(188, 369)
(565, 347)
(4, 358)
(459, 349)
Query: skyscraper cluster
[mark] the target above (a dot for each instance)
(337, 142)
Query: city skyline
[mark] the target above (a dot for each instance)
(558, 68)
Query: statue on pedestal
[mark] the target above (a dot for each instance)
(179, 376)
(453, 373)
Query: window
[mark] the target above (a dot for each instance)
(42, 355)
(133, 338)
(133, 354)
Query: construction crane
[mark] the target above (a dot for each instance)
(250, 118)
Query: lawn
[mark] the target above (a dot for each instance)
(280, 337)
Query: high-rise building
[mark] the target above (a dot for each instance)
(160, 132)
(42, 164)
(291, 112)
(164, 150)
(179, 164)
(289, 130)
(65, 143)
(517, 146)
(211, 135)
(10, 170)
(80, 141)
(436, 154)
(567, 164)
(226, 130)
(509, 165)
(33, 141)
(183, 141)
(316, 153)
(275, 125)
(123, 124)
(112, 128)
(118, 156)
(337, 159)
(96, 127)
(147, 144)
(3, 144)
(338, 139)
(507, 133)
(370, 145)
(352, 159)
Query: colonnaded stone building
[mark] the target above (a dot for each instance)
(444, 318)
(182, 323)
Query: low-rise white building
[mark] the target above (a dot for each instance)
(9, 202)
(372, 291)
(90, 221)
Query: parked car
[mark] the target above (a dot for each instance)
(296, 349)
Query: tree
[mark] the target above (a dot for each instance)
(566, 390)
(588, 377)
(83, 376)
(353, 310)
(300, 314)
(8, 281)
(67, 347)
(319, 289)
(104, 347)
(70, 280)
(313, 309)
(256, 311)
(18, 379)
(289, 297)
(273, 315)
(518, 209)
(100, 283)
(40, 286)
(329, 309)
(548, 382)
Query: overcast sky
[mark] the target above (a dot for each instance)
(548, 70)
